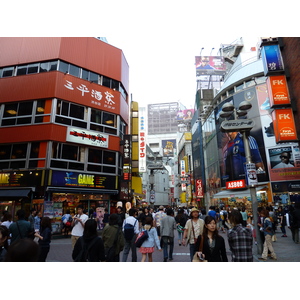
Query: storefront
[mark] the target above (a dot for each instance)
(286, 193)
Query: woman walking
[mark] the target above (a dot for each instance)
(147, 247)
(44, 237)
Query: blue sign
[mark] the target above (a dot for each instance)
(272, 60)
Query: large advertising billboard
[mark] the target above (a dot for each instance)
(231, 145)
(210, 65)
(169, 147)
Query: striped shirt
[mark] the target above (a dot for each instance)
(240, 242)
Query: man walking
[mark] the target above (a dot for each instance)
(78, 223)
(130, 230)
(21, 228)
(157, 219)
(167, 226)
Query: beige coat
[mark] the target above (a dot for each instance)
(188, 227)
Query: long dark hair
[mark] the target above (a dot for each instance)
(90, 228)
(46, 223)
(207, 220)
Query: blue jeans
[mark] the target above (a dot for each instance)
(192, 251)
(130, 245)
(168, 241)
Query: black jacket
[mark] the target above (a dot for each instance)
(96, 253)
(219, 252)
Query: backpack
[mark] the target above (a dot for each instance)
(129, 231)
(83, 255)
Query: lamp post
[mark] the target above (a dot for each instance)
(244, 126)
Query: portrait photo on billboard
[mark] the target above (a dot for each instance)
(169, 147)
(284, 163)
(231, 145)
(210, 65)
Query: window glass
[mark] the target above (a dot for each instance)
(109, 158)
(45, 67)
(115, 85)
(93, 77)
(10, 110)
(77, 111)
(85, 74)
(21, 121)
(40, 107)
(25, 108)
(19, 151)
(65, 109)
(96, 116)
(34, 151)
(21, 70)
(1, 71)
(53, 65)
(95, 156)
(7, 72)
(109, 119)
(106, 81)
(70, 152)
(74, 70)
(5, 152)
(33, 68)
(63, 67)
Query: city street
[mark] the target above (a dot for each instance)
(285, 249)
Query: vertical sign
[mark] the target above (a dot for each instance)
(278, 90)
(127, 156)
(272, 60)
(251, 174)
(142, 142)
(199, 188)
(284, 125)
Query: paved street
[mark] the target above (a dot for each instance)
(285, 248)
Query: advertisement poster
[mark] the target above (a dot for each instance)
(210, 65)
(231, 145)
(48, 209)
(169, 147)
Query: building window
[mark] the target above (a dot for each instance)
(7, 72)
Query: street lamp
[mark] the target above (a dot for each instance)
(244, 126)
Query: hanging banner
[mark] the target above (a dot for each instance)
(278, 90)
(272, 60)
(284, 125)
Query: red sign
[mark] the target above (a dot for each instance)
(278, 90)
(199, 188)
(235, 184)
(284, 125)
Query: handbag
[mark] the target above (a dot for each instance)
(196, 257)
(142, 236)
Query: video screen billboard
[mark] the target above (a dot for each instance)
(210, 65)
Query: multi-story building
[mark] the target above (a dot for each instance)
(64, 111)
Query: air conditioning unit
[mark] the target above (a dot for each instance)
(206, 107)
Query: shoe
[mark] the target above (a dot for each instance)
(170, 259)
(179, 244)
(284, 235)
(165, 259)
(274, 258)
(263, 259)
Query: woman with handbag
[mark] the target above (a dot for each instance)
(44, 238)
(180, 219)
(147, 247)
(213, 248)
(193, 229)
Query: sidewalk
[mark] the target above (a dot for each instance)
(285, 249)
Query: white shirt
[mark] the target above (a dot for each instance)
(132, 220)
(78, 228)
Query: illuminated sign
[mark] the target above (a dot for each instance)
(272, 60)
(236, 184)
(87, 137)
(284, 125)
(199, 188)
(278, 90)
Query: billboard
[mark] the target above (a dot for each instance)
(210, 65)
(169, 147)
(231, 146)
(186, 114)
(272, 60)
(278, 90)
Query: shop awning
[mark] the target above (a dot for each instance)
(236, 194)
(15, 193)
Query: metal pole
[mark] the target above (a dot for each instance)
(252, 194)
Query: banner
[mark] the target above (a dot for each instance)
(210, 65)
(278, 90)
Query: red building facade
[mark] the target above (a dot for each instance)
(64, 110)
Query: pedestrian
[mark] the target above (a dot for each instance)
(214, 249)
(4, 236)
(142, 217)
(7, 220)
(240, 239)
(21, 228)
(193, 229)
(78, 223)
(147, 247)
(268, 232)
(121, 216)
(105, 217)
(44, 238)
(113, 239)
(158, 217)
(167, 227)
(212, 212)
(181, 219)
(22, 250)
(91, 242)
(295, 214)
(223, 216)
(130, 235)
(244, 216)
(31, 217)
(282, 220)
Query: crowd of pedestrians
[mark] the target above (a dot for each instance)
(29, 240)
